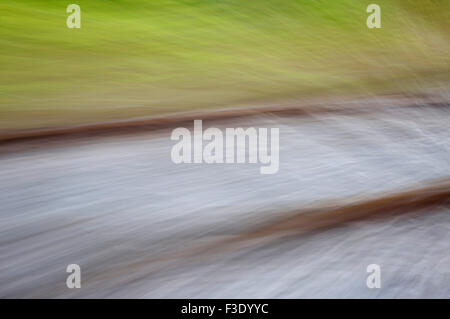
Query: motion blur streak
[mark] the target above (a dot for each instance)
(140, 226)
(146, 57)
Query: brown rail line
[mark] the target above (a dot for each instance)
(302, 222)
(286, 108)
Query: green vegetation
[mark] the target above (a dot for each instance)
(143, 57)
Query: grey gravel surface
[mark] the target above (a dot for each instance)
(118, 205)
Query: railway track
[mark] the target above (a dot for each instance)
(141, 226)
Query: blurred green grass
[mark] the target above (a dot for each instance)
(138, 58)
